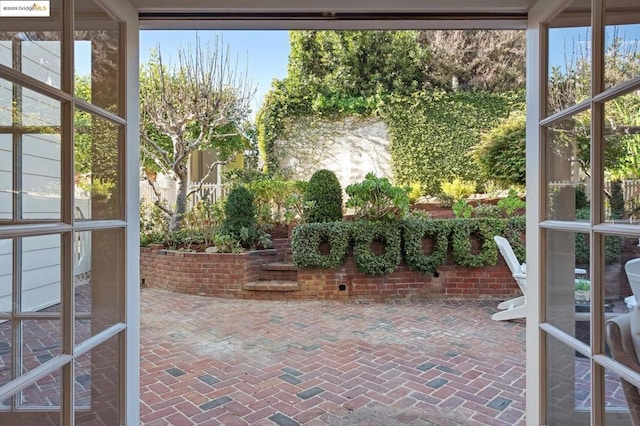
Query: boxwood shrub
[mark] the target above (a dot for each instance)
(414, 230)
(446, 233)
(364, 234)
(306, 240)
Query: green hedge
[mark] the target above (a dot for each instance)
(364, 234)
(404, 238)
(306, 240)
(432, 133)
(414, 230)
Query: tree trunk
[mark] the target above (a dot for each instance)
(181, 201)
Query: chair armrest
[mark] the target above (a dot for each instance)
(520, 276)
(580, 271)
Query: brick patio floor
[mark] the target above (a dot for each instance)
(207, 361)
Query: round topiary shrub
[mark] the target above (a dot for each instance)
(323, 198)
(240, 216)
(365, 233)
(414, 230)
(308, 237)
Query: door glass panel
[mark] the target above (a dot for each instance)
(622, 42)
(41, 273)
(568, 305)
(45, 393)
(97, 385)
(567, 160)
(568, 385)
(6, 171)
(622, 158)
(35, 130)
(97, 57)
(6, 276)
(34, 53)
(99, 293)
(41, 341)
(6, 348)
(569, 57)
(617, 411)
(97, 167)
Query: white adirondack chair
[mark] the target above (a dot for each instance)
(516, 308)
(513, 308)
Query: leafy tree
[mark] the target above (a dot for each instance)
(203, 103)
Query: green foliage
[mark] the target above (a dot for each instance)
(323, 197)
(582, 201)
(612, 245)
(457, 189)
(183, 239)
(486, 211)
(445, 233)
(365, 233)
(240, 216)
(511, 203)
(306, 241)
(616, 202)
(501, 154)
(415, 193)
(377, 199)
(462, 209)
(205, 219)
(431, 133)
(483, 230)
(583, 285)
(414, 231)
(153, 224)
(226, 243)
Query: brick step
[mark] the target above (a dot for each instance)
(282, 271)
(272, 285)
(288, 255)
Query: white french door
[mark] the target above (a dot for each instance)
(68, 215)
(583, 154)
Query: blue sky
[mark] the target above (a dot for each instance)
(264, 52)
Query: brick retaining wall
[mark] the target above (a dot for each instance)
(210, 274)
(223, 275)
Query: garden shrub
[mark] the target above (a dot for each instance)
(501, 153)
(487, 211)
(612, 245)
(377, 199)
(457, 189)
(306, 240)
(323, 198)
(364, 234)
(414, 230)
(462, 209)
(515, 227)
(240, 216)
(484, 230)
(511, 203)
(431, 132)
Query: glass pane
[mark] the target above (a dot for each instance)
(30, 122)
(622, 41)
(45, 393)
(569, 57)
(567, 160)
(6, 348)
(97, 57)
(99, 294)
(568, 305)
(97, 167)
(41, 341)
(39, 418)
(41, 176)
(616, 405)
(35, 53)
(622, 158)
(568, 385)
(41, 273)
(6, 276)
(97, 385)
(6, 171)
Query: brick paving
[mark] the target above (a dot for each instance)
(209, 361)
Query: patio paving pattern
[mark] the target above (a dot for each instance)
(208, 361)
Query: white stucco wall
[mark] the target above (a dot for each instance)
(350, 147)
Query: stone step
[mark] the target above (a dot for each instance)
(271, 285)
(282, 271)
